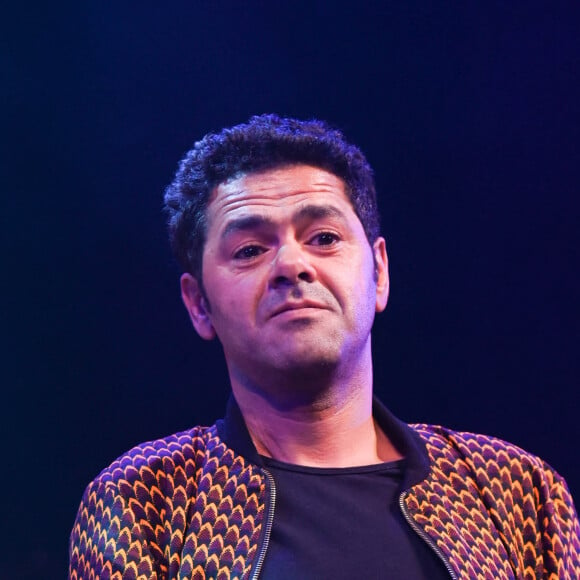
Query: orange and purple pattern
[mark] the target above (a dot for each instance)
(188, 507)
(183, 507)
(495, 511)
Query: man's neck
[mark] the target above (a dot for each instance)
(336, 430)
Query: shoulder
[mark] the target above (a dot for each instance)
(180, 451)
(128, 509)
(482, 450)
(158, 467)
(147, 477)
(488, 459)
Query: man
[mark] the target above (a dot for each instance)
(276, 226)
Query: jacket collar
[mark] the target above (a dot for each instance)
(233, 431)
(408, 442)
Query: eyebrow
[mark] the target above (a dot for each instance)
(315, 212)
(246, 223)
(308, 212)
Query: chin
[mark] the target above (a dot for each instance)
(292, 390)
(308, 366)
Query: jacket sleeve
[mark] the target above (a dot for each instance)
(106, 541)
(560, 530)
(529, 504)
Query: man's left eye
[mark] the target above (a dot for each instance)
(324, 239)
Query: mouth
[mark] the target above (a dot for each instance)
(293, 306)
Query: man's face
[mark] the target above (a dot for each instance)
(291, 280)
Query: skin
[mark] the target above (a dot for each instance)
(292, 287)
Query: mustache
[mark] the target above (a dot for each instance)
(310, 295)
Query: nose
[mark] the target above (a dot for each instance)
(291, 265)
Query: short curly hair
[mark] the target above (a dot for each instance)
(264, 142)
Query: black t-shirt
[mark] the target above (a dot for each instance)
(344, 523)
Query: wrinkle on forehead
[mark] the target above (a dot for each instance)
(269, 187)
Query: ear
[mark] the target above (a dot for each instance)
(381, 273)
(197, 307)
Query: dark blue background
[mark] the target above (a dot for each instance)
(468, 112)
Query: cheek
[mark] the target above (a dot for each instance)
(233, 298)
(363, 286)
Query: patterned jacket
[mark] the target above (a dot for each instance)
(199, 504)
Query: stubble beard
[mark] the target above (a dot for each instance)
(306, 378)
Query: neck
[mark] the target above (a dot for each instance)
(335, 428)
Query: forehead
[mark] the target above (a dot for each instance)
(276, 190)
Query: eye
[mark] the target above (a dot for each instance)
(248, 252)
(324, 239)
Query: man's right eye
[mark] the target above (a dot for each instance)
(248, 252)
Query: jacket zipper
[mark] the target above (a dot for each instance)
(424, 536)
(268, 525)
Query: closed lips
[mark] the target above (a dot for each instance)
(296, 306)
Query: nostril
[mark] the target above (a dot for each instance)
(281, 281)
